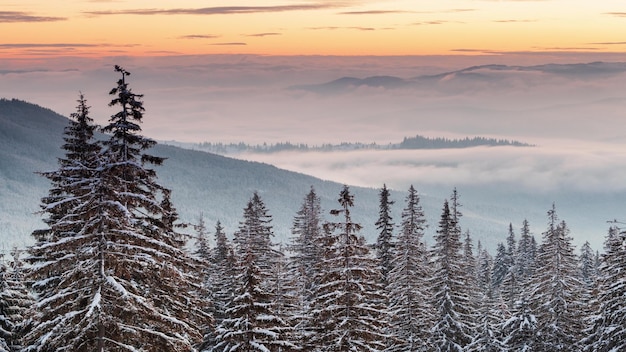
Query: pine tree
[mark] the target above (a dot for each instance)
(111, 272)
(520, 332)
(554, 290)
(384, 243)
(15, 301)
(306, 255)
(608, 333)
(408, 290)
(500, 266)
(348, 312)
(251, 321)
(525, 256)
(306, 230)
(451, 300)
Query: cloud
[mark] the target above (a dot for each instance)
(429, 23)
(17, 16)
(374, 12)
(267, 34)
(230, 43)
(617, 14)
(332, 28)
(581, 167)
(59, 45)
(514, 21)
(220, 10)
(199, 36)
(608, 43)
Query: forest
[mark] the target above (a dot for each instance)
(417, 142)
(114, 269)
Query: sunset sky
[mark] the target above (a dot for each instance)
(44, 28)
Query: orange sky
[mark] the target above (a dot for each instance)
(42, 28)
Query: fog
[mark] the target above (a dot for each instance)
(573, 111)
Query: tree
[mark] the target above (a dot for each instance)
(500, 266)
(520, 332)
(554, 290)
(384, 243)
(451, 300)
(525, 257)
(15, 301)
(307, 231)
(408, 289)
(111, 272)
(608, 333)
(306, 255)
(348, 312)
(252, 322)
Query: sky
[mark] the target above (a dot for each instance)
(549, 72)
(40, 29)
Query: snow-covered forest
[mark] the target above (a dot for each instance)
(115, 270)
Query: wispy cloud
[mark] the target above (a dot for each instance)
(218, 10)
(374, 12)
(267, 34)
(59, 45)
(17, 16)
(230, 43)
(608, 43)
(199, 36)
(332, 28)
(514, 21)
(430, 23)
(617, 14)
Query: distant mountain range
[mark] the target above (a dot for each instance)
(475, 73)
(219, 188)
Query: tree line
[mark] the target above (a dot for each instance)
(417, 142)
(113, 270)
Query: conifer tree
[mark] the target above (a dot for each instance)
(15, 301)
(348, 312)
(520, 331)
(307, 231)
(525, 256)
(608, 333)
(251, 321)
(306, 253)
(384, 243)
(111, 272)
(409, 307)
(554, 290)
(500, 266)
(451, 301)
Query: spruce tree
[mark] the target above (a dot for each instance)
(608, 333)
(451, 300)
(348, 312)
(409, 306)
(554, 290)
(520, 331)
(15, 301)
(306, 253)
(384, 242)
(111, 272)
(252, 321)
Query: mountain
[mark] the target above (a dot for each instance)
(474, 74)
(219, 188)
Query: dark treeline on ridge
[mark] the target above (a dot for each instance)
(417, 142)
(112, 270)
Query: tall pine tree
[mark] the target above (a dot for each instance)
(451, 300)
(111, 272)
(408, 281)
(349, 309)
